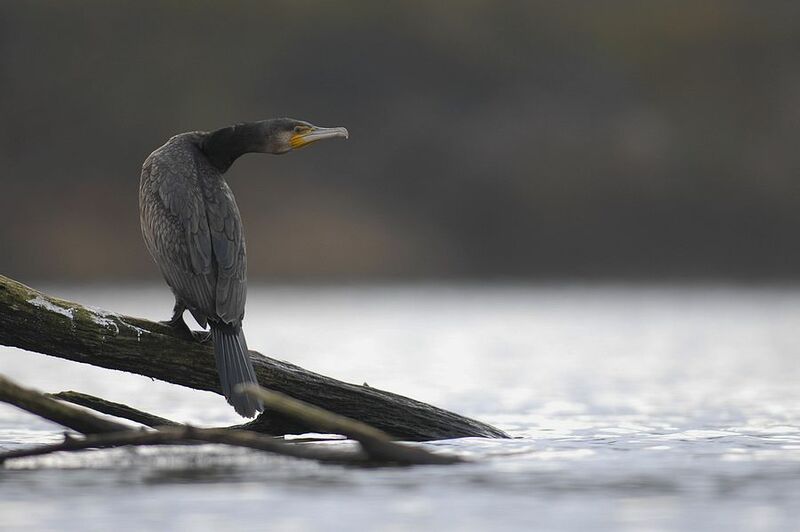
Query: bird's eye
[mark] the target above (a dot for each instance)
(300, 129)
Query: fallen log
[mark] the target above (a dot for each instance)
(37, 322)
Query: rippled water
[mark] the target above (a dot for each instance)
(633, 408)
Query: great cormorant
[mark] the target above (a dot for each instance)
(192, 228)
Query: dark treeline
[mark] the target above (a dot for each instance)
(488, 139)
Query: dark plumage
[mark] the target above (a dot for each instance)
(193, 230)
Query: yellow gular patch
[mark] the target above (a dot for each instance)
(298, 140)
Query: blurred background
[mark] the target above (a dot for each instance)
(514, 140)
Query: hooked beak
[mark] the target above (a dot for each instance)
(314, 134)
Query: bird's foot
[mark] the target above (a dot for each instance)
(179, 326)
(202, 337)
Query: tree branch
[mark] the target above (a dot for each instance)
(375, 443)
(50, 409)
(377, 446)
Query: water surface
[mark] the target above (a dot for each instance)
(632, 408)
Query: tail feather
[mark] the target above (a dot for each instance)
(234, 368)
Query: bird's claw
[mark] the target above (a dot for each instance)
(202, 337)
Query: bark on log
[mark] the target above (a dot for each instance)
(36, 322)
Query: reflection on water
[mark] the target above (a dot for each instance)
(650, 408)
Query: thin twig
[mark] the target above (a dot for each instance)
(114, 409)
(187, 434)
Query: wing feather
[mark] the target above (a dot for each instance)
(176, 230)
(193, 230)
(228, 244)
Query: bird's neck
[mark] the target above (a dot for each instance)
(224, 146)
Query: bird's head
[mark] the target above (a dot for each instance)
(286, 134)
(277, 135)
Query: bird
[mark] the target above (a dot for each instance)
(193, 230)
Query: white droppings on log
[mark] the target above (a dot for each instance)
(105, 323)
(40, 302)
(139, 330)
(109, 320)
